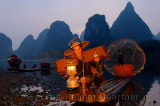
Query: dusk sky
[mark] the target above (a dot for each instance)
(19, 18)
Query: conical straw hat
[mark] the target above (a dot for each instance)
(70, 51)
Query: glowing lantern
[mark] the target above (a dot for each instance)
(72, 81)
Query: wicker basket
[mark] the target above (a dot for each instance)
(129, 53)
(125, 70)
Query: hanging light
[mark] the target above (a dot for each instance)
(72, 81)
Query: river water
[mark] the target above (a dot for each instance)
(146, 84)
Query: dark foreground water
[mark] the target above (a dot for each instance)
(43, 88)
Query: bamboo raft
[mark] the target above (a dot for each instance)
(29, 69)
(116, 85)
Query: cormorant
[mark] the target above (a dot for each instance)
(120, 59)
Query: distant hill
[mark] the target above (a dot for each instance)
(75, 35)
(130, 25)
(27, 47)
(41, 39)
(151, 47)
(154, 37)
(58, 37)
(82, 36)
(30, 48)
(157, 37)
(97, 31)
(5, 46)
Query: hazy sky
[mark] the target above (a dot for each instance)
(19, 18)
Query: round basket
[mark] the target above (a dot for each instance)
(125, 70)
(133, 58)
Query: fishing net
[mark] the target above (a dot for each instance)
(132, 55)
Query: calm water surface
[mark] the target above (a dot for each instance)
(146, 82)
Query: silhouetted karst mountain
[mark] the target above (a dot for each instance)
(154, 37)
(59, 35)
(75, 35)
(41, 40)
(97, 31)
(27, 47)
(82, 36)
(158, 36)
(30, 48)
(130, 25)
(151, 47)
(152, 52)
(5, 46)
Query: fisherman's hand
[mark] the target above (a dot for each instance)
(103, 82)
(65, 76)
(83, 80)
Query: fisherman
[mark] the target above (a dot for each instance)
(14, 61)
(91, 71)
(24, 66)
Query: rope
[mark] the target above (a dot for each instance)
(134, 53)
(115, 49)
(108, 70)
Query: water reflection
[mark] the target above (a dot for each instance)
(153, 95)
(45, 73)
(136, 93)
(51, 82)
